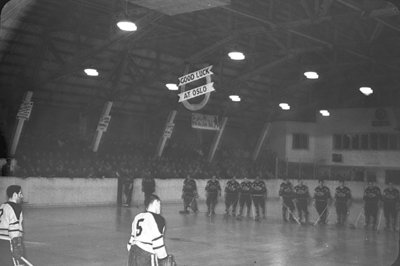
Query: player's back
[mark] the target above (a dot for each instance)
(147, 227)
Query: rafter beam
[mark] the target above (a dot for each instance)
(79, 59)
(324, 7)
(307, 9)
(275, 26)
(372, 14)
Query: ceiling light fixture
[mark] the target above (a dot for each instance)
(235, 98)
(324, 112)
(235, 55)
(172, 86)
(284, 106)
(91, 72)
(311, 75)
(126, 25)
(366, 91)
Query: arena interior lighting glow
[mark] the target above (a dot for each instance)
(126, 25)
(91, 72)
(235, 55)
(172, 86)
(284, 106)
(235, 98)
(311, 75)
(366, 91)
(324, 112)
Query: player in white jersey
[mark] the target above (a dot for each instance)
(146, 245)
(11, 227)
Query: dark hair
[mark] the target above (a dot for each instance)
(13, 189)
(151, 199)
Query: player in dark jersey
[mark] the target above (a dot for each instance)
(11, 230)
(342, 202)
(287, 193)
(258, 194)
(232, 190)
(146, 245)
(245, 197)
(322, 197)
(148, 186)
(390, 200)
(372, 197)
(213, 189)
(302, 201)
(189, 195)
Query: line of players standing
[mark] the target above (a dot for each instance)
(297, 197)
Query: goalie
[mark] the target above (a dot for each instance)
(11, 227)
(146, 245)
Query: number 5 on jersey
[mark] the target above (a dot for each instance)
(138, 227)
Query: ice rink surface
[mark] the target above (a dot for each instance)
(93, 236)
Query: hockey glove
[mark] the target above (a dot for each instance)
(17, 247)
(168, 261)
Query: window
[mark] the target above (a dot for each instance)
(373, 141)
(300, 141)
(364, 141)
(393, 142)
(355, 142)
(383, 141)
(337, 142)
(346, 141)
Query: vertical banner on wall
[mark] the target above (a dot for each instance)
(217, 139)
(102, 126)
(167, 133)
(24, 112)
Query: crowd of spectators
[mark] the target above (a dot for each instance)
(55, 155)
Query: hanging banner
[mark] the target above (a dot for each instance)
(202, 73)
(24, 111)
(169, 128)
(103, 123)
(193, 93)
(208, 122)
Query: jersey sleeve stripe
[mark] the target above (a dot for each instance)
(15, 230)
(159, 247)
(17, 222)
(158, 237)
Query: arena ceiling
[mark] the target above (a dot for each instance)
(46, 44)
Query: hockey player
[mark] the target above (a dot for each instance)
(258, 194)
(372, 196)
(189, 195)
(231, 195)
(11, 230)
(342, 202)
(146, 245)
(322, 197)
(245, 197)
(213, 190)
(390, 201)
(148, 186)
(287, 194)
(302, 200)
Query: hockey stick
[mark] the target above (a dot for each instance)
(26, 261)
(354, 225)
(292, 214)
(320, 216)
(189, 205)
(379, 222)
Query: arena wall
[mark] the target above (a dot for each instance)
(81, 191)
